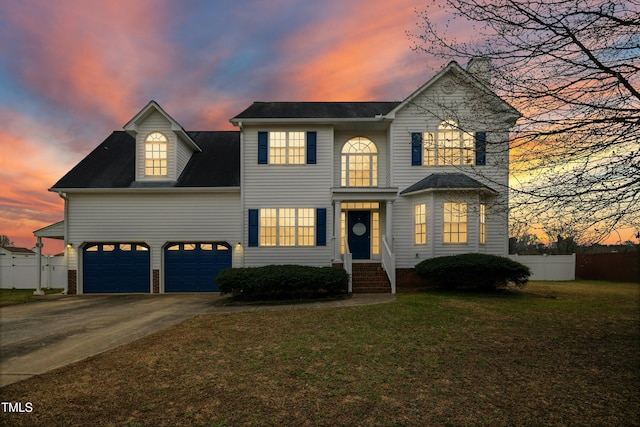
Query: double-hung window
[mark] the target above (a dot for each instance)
(448, 145)
(420, 224)
(455, 223)
(287, 227)
(287, 147)
(483, 224)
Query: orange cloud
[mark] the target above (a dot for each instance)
(94, 52)
(29, 165)
(362, 52)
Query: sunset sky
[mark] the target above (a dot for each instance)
(73, 71)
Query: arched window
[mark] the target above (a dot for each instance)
(155, 155)
(359, 163)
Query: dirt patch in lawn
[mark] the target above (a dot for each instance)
(426, 359)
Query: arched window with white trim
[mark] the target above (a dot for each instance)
(155, 154)
(359, 163)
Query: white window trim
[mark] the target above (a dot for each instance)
(300, 230)
(288, 148)
(434, 147)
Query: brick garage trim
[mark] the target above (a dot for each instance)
(156, 281)
(72, 282)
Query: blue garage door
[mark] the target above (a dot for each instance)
(192, 267)
(115, 267)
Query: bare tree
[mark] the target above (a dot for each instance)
(5, 240)
(572, 68)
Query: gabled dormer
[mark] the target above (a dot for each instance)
(163, 147)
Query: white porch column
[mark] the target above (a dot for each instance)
(389, 224)
(39, 290)
(337, 217)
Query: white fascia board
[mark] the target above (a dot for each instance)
(364, 193)
(452, 190)
(324, 121)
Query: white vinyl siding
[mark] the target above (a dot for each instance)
(494, 174)
(153, 218)
(266, 187)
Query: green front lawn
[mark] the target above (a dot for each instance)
(21, 296)
(560, 354)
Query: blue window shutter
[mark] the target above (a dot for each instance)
(416, 148)
(253, 227)
(481, 148)
(321, 227)
(311, 147)
(263, 148)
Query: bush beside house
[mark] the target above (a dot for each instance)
(282, 281)
(473, 271)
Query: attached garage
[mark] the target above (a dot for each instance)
(116, 268)
(192, 267)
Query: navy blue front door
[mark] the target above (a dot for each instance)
(359, 234)
(192, 267)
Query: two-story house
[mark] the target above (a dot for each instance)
(372, 187)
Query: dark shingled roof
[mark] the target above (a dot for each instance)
(446, 181)
(112, 164)
(316, 110)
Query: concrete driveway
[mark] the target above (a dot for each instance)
(60, 329)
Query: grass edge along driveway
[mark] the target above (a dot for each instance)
(427, 359)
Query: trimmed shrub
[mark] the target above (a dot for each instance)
(282, 282)
(473, 271)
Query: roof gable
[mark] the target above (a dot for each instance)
(468, 78)
(132, 125)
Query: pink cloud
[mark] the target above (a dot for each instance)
(360, 52)
(30, 164)
(94, 53)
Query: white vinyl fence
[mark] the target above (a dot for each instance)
(22, 272)
(549, 267)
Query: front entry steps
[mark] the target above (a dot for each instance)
(369, 278)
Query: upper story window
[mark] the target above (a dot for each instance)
(359, 163)
(155, 155)
(287, 147)
(448, 145)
